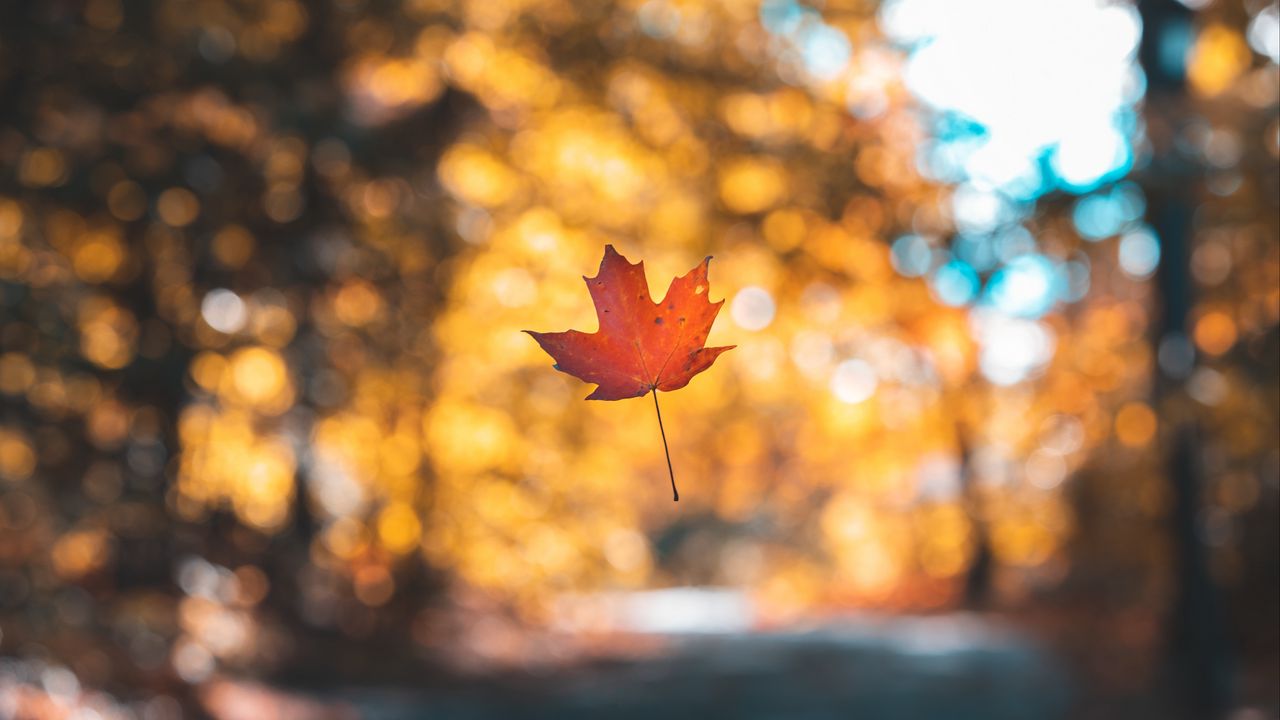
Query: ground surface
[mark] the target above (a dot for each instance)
(957, 668)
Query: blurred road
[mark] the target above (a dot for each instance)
(952, 667)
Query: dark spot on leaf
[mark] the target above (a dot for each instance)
(671, 306)
(657, 321)
(681, 319)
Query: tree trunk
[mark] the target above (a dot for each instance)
(1198, 661)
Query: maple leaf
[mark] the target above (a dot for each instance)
(642, 346)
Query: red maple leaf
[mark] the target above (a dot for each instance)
(641, 346)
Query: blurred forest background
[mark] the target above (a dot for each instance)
(1004, 279)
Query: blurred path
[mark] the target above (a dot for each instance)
(952, 667)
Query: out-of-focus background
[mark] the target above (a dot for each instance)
(999, 439)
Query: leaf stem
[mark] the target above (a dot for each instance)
(675, 494)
